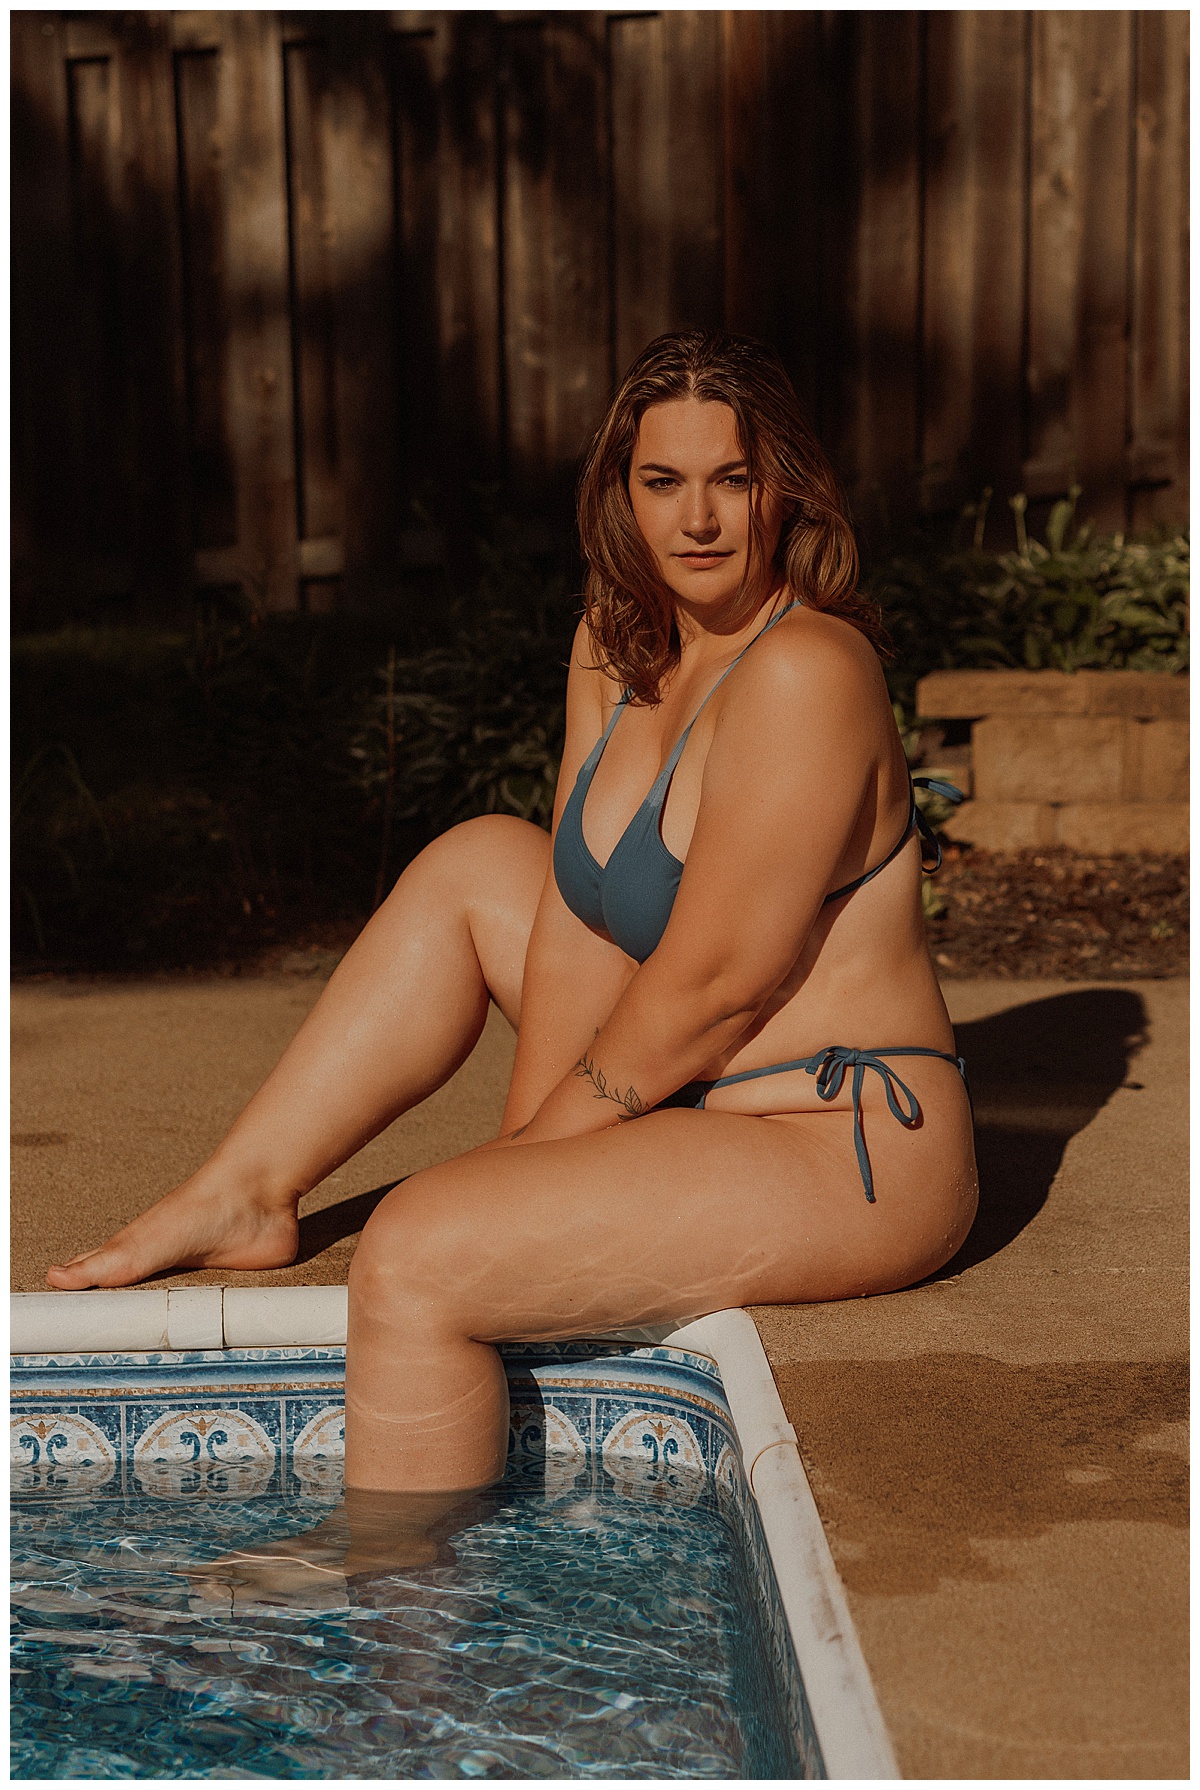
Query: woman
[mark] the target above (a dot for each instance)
(678, 1137)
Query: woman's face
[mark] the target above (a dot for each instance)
(691, 500)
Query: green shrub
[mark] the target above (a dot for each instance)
(1077, 600)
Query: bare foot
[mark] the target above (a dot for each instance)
(206, 1223)
(310, 1572)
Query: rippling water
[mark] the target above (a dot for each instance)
(593, 1634)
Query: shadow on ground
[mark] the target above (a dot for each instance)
(1039, 1073)
(333, 1224)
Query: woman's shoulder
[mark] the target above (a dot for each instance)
(811, 654)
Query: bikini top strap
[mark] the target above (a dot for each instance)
(669, 768)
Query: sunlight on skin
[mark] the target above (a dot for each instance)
(690, 496)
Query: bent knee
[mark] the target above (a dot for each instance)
(487, 842)
(416, 1256)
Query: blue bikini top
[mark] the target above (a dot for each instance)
(630, 898)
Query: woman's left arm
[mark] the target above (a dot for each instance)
(785, 783)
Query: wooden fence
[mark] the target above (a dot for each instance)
(276, 274)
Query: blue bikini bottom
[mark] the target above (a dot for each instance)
(830, 1066)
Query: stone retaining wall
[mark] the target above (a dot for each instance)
(1097, 760)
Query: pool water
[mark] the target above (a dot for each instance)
(604, 1633)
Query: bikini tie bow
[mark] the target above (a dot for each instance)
(829, 1067)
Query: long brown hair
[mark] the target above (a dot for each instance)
(630, 611)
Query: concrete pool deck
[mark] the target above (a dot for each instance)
(999, 1455)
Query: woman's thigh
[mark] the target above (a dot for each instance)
(672, 1215)
(495, 867)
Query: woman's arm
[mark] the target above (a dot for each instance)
(573, 978)
(788, 787)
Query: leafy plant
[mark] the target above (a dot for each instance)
(1075, 600)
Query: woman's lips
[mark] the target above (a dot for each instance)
(703, 559)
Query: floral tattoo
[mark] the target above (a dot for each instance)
(630, 1101)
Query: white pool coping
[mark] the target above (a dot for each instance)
(849, 1724)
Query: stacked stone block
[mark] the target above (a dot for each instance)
(1096, 760)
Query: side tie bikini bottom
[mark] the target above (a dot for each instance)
(830, 1066)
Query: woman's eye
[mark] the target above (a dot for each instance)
(737, 481)
(659, 484)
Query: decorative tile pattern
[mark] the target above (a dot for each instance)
(61, 1450)
(238, 1423)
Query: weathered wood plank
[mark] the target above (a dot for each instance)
(468, 276)
(313, 203)
(556, 322)
(43, 324)
(581, 320)
(792, 220)
(886, 290)
(415, 104)
(100, 426)
(259, 390)
(359, 173)
(668, 177)
(973, 286)
(1078, 258)
(525, 206)
(1102, 364)
(745, 173)
(1158, 409)
(641, 196)
(202, 203)
(152, 299)
(692, 49)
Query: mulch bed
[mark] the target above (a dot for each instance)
(1060, 914)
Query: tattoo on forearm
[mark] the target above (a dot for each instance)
(630, 1100)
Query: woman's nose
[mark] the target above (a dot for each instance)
(698, 522)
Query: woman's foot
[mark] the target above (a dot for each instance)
(371, 1533)
(203, 1224)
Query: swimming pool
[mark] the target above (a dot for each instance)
(611, 1610)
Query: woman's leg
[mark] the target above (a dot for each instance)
(676, 1214)
(400, 1014)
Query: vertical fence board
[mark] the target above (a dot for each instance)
(973, 256)
(746, 242)
(359, 174)
(468, 285)
(43, 332)
(641, 185)
(793, 202)
(98, 430)
(886, 297)
(415, 109)
(1102, 362)
(251, 127)
(152, 299)
(312, 205)
(1158, 337)
(1055, 233)
(692, 49)
(999, 90)
(580, 322)
(202, 201)
(526, 223)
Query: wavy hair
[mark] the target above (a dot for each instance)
(630, 611)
